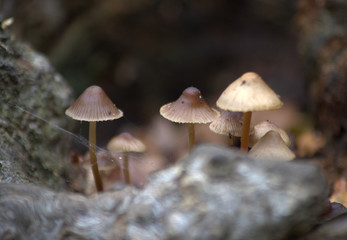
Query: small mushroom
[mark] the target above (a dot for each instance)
(126, 143)
(246, 94)
(271, 146)
(189, 108)
(93, 105)
(108, 167)
(262, 128)
(228, 123)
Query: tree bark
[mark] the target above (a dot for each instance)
(31, 148)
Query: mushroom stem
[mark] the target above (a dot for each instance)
(93, 159)
(191, 132)
(230, 140)
(245, 130)
(126, 172)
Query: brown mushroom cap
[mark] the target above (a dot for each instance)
(125, 142)
(271, 146)
(227, 123)
(190, 107)
(249, 93)
(262, 128)
(93, 105)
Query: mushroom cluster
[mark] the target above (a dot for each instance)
(246, 94)
(250, 93)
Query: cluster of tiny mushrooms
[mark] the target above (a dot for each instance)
(246, 94)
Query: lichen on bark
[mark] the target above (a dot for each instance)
(31, 150)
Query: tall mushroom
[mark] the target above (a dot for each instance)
(126, 143)
(189, 108)
(246, 94)
(228, 123)
(93, 105)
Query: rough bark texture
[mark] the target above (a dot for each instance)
(215, 193)
(31, 150)
(323, 45)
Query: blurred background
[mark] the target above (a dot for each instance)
(145, 53)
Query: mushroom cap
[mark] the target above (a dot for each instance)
(249, 93)
(125, 142)
(271, 146)
(227, 123)
(93, 105)
(260, 129)
(190, 107)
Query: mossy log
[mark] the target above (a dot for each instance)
(31, 150)
(214, 193)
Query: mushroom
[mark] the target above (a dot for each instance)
(126, 143)
(189, 108)
(246, 94)
(93, 105)
(228, 123)
(262, 128)
(271, 146)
